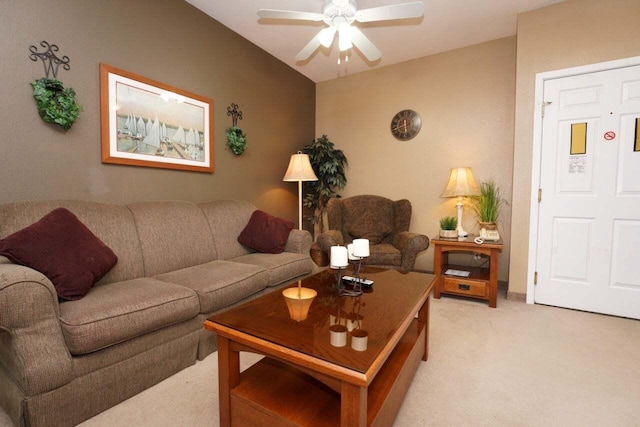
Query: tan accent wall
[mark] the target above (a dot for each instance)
(466, 100)
(168, 41)
(565, 35)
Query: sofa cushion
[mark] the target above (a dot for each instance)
(173, 235)
(266, 233)
(63, 249)
(113, 224)
(281, 267)
(368, 217)
(383, 254)
(219, 283)
(120, 311)
(227, 218)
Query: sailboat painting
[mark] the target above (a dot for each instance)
(147, 123)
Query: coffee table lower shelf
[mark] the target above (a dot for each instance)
(272, 393)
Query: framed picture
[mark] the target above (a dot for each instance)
(147, 123)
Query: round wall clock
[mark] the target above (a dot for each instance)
(405, 125)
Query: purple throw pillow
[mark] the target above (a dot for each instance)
(266, 233)
(63, 249)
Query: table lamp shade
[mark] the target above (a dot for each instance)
(300, 169)
(461, 183)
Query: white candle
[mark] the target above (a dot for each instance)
(352, 257)
(339, 257)
(361, 248)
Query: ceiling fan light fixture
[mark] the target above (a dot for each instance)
(339, 15)
(344, 35)
(326, 36)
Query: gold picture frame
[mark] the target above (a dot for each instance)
(151, 124)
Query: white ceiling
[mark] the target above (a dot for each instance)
(446, 25)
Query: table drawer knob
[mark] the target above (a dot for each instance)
(463, 287)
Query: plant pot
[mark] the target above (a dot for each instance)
(319, 256)
(449, 234)
(488, 225)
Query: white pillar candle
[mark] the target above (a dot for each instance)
(361, 248)
(352, 257)
(339, 257)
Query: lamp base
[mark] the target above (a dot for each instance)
(459, 207)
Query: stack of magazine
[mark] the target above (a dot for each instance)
(457, 273)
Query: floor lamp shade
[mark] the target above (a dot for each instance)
(461, 184)
(299, 170)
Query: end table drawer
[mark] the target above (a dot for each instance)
(464, 287)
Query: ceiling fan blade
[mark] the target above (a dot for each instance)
(289, 14)
(364, 45)
(386, 13)
(311, 47)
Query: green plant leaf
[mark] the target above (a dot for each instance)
(56, 104)
(487, 205)
(236, 140)
(328, 163)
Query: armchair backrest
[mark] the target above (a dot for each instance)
(371, 217)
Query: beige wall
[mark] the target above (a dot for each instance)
(168, 41)
(565, 35)
(466, 100)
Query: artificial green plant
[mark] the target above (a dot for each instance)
(329, 166)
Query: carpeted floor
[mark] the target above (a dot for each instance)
(517, 365)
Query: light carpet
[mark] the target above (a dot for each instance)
(516, 365)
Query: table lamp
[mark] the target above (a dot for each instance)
(300, 170)
(461, 184)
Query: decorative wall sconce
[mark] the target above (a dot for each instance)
(236, 139)
(56, 104)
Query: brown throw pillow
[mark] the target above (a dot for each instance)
(266, 233)
(63, 249)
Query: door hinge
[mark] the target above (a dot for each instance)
(539, 195)
(544, 106)
(535, 278)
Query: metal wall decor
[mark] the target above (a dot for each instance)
(236, 139)
(56, 104)
(49, 59)
(232, 111)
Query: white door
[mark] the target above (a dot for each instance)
(588, 254)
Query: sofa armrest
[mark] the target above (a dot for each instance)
(328, 239)
(32, 348)
(410, 245)
(299, 242)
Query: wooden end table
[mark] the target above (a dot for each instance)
(482, 283)
(304, 380)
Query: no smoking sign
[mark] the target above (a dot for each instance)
(609, 135)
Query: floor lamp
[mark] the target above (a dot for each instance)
(300, 170)
(461, 184)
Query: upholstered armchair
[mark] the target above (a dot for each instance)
(384, 222)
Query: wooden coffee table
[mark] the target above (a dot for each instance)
(304, 379)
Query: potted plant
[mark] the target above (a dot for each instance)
(487, 205)
(328, 163)
(448, 227)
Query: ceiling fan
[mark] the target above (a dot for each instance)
(339, 15)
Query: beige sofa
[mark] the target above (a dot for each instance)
(178, 263)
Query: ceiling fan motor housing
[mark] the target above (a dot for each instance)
(345, 10)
